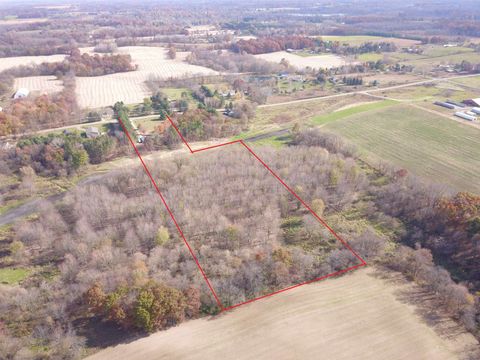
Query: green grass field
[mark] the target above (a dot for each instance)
(352, 40)
(148, 123)
(439, 50)
(11, 276)
(428, 63)
(471, 81)
(175, 93)
(427, 145)
(439, 91)
(370, 57)
(327, 118)
(356, 40)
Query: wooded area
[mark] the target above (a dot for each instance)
(120, 257)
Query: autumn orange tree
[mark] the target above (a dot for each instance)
(460, 209)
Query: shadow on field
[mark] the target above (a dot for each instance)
(101, 334)
(427, 306)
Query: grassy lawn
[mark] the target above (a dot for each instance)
(370, 57)
(301, 111)
(440, 50)
(149, 124)
(327, 118)
(43, 187)
(356, 40)
(353, 40)
(5, 232)
(440, 91)
(175, 93)
(402, 56)
(12, 276)
(427, 145)
(471, 81)
(428, 63)
(275, 141)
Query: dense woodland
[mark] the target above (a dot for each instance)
(272, 44)
(109, 250)
(97, 65)
(235, 63)
(77, 63)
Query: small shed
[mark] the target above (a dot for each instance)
(21, 93)
(92, 132)
(457, 104)
(476, 110)
(444, 104)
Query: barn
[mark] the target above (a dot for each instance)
(472, 102)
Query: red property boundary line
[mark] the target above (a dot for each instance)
(219, 303)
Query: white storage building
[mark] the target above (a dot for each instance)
(21, 93)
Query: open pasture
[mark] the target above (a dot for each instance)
(302, 62)
(356, 40)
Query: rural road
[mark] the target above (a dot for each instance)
(32, 206)
(20, 211)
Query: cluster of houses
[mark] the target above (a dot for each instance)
(291, 77)
(467, 110)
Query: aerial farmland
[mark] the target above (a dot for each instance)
(248, 180)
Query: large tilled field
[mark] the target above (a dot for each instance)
(130, 87)
(355, 317)
(41, 84)
(426, 144)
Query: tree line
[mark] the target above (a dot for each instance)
(271, 44)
